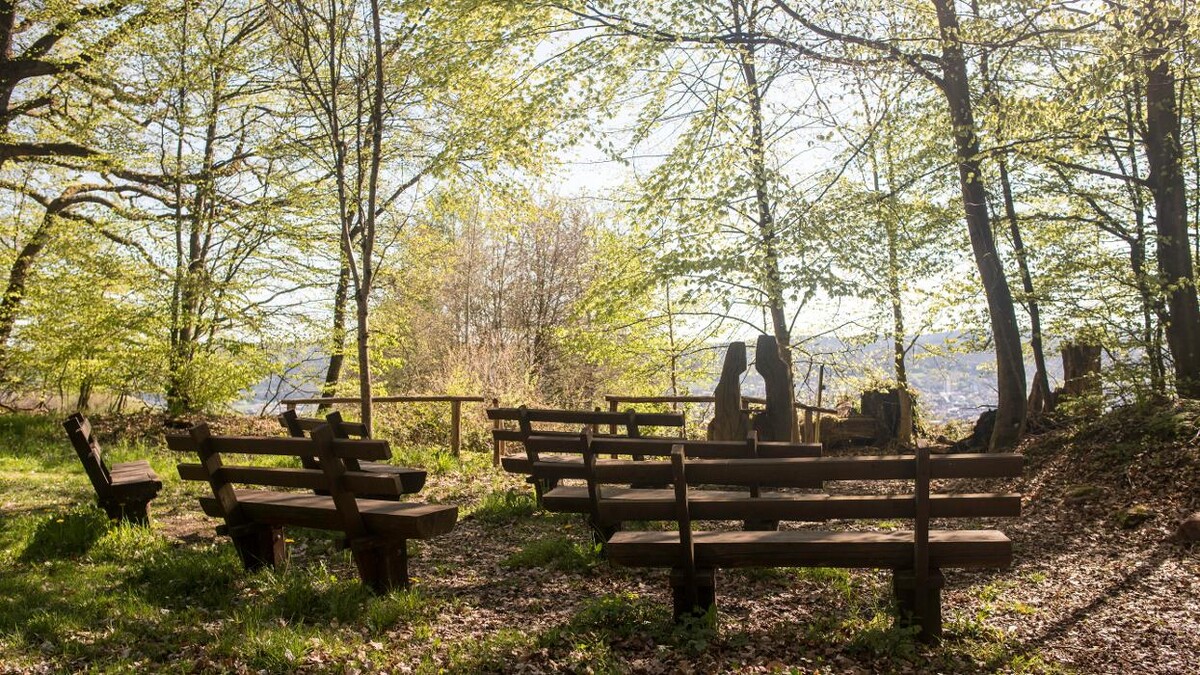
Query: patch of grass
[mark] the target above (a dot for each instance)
(833, 577)
(498, 508)
(66, 534)
(310, 595)
(400, 607)
(206, 576)
(266, 646)
(558, 553)
(126, 544)
(490, 654)
(881, 637)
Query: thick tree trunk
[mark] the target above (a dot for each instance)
(1010, 367)
(1164, 152)
(14, 294)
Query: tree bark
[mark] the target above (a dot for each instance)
(1010, 366)
(337, 353)
(1164, 153)
(768, 231)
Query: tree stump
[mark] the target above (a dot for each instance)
(892, 411)
(729, 422)
(1081, 369)
(778, 421)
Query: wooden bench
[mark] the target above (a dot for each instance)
(123, 490)
(411, 480)
(916, 557)
(376, 530)
(631, 421)
(575, 498)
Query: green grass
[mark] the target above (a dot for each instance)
(503, 507)
(557, 553)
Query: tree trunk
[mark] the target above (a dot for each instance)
(1010, 366)
(14, 294)
(1041, 381)
(1164, 153)
(337, 354)
(768, 231)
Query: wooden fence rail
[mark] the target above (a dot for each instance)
(454, 401)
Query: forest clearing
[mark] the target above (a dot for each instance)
(599, 336)
(516, 589)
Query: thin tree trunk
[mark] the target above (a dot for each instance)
(1010, 367)
(337, 354)
(768, 231)
(1041, 375)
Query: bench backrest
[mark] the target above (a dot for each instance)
(297, 426)
(920, 505)
(79, 430)
(332, 475)
(641, 448)
(532, 420)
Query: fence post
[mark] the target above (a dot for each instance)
(496, 442)
(612, 407)
(455, 426)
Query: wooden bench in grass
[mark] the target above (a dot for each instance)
(575, 498)
(411, 480)
(124, 490)
(916, 557)
(376, 530)
(534, 420)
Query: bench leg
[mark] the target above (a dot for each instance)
(760, 525)
(602, 533)
(259, 545)
(904, 589)
(135, 513)
(382, 563)
(706, 594)
(541, 486)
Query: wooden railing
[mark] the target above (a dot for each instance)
(810, 431)
(454, 401)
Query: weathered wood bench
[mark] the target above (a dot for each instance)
(376, 530)
(123, 490)
(575, 498)
(534, 420)
(411, 480)
(917, 557)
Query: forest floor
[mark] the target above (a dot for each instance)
(1095, 587)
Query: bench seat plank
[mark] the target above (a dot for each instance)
(621, 504)
(811, 548)
(399, 519)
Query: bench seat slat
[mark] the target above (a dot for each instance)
(947, 549)
(397, 519)
(621, 504)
